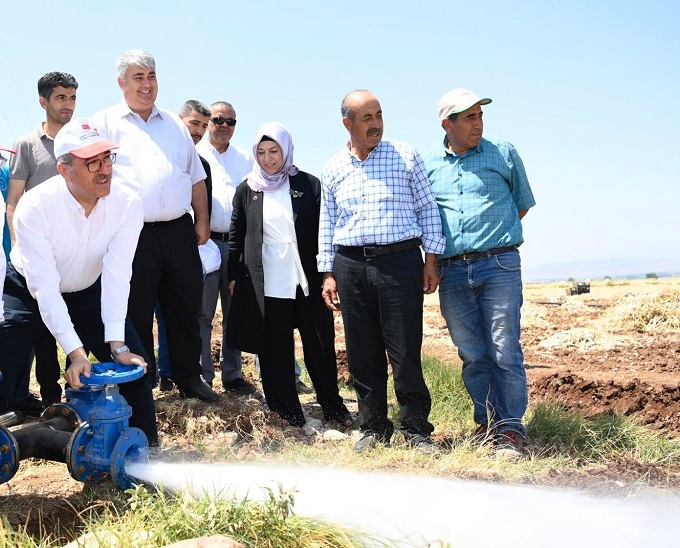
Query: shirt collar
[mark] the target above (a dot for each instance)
(41, 132)
(216, 152)
(71, 202)
(125, 110)
(349, 150)
(447, 150)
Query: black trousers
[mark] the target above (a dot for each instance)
(277, 359)
(48, 369)
(167, 269)
(381, 299)
(23, 328)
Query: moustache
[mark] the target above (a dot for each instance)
(373, 131)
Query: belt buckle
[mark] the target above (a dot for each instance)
(473, 255)
(369, 250)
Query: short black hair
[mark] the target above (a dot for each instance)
(51, 80)
(191, 105)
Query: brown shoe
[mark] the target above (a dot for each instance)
(482, 434)
(509, 444)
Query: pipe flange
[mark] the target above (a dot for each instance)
(9, 455)
(132, 444)
(64, 411)
(76, 456)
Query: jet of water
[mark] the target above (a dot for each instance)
(421, 511)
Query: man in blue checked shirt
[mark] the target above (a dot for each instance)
(377, 209)
(482, 192)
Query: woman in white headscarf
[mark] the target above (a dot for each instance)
(275, 284)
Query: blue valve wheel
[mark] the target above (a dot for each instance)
(112, 373)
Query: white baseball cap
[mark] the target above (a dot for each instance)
(457, 100)
(81, 138)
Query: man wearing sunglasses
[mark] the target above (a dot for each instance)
(229, 165)
(70, 270)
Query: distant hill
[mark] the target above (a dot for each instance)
(596, 269)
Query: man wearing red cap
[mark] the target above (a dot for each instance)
(70, 270)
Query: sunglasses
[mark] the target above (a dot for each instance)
(218, 121)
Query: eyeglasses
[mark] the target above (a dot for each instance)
(218, 121)
(95, 165)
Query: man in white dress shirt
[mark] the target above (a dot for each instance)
(158, 160)
(70, 270)
(229, 165)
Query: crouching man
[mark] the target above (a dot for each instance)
(69, 271)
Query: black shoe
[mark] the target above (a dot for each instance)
(370, 441)
(31, 406)
(240, 387)
(199, 390)
(51, 400)
(166, 384)
(50, 395)
(302, 388)
(343, 419)
(423, 444)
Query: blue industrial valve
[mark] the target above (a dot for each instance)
(101, 445)
(91, 432)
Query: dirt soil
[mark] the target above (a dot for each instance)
(608, 350)
(580, 350)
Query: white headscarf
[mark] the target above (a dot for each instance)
(258, 178)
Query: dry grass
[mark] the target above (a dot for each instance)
(647, 312)
(653, 306)
(584, 339)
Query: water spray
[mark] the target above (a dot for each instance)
(91, 433)
(420, 511)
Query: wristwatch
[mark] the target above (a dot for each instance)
(118, 351)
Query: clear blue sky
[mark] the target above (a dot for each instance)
(586, 90)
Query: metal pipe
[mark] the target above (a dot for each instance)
(11, 418)
(42, 441)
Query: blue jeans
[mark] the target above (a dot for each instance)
(481, 302)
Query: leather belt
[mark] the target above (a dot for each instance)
(474, 255)
(378, 250)
(222, 236)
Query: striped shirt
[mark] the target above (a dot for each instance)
(479, 195)
(383, 199)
